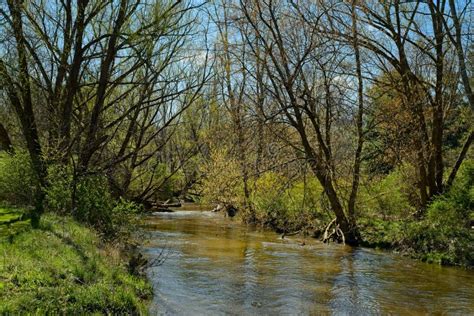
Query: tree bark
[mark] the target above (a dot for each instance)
(5, 141)
(360, 117)
(24, 106)
(460, 159)
(92, 141)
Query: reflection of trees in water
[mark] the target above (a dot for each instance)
(160, 258)
(353, 286)
(224, 268)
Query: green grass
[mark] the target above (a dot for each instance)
(11, 222)
(62, 267)
(8, 214)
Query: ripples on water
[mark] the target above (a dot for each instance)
(216, 266)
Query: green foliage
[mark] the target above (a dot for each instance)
(96, 206)
(17, 179)
(380, 233)
(93, 203)
(390, 196)
(444, 236)
(124, 218)
(286, 205)
(169, 183)
(59, 190)
(157, 175)
(60, 269)
(222, 179)
(267, 200)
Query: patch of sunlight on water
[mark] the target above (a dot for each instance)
(216, 266)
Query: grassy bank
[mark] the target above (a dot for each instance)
(63, 267)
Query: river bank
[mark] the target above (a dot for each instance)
(441, 233)
(62, 268)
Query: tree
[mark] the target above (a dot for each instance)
(105, 77)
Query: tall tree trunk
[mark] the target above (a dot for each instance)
(72, 80)
(436, 159)
(359, 123)
(457, 42)
(92, 141)
(5, 141)
(460, 159)
(323, 174)
(235, 106)
(24, 107)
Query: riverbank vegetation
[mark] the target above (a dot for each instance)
(64, 267)
(348, 121)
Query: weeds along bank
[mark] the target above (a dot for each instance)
(445, 233)
(76, 261)
(386, 210)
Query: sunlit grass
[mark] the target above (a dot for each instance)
(62, 267)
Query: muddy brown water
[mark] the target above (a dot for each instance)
(216, 266)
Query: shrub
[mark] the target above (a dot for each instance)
(93, 202)
(444, 236)
(59, 190)
(17, 179)
(267, 200)
(390, 196)
(285, 205)
(222, 179)
(94, 205)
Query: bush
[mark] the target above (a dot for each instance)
(59, 190)
(267, 200)
(287, 206)
(390, 196)
(380, 233)
(17, 179)
(444, 236)
(222, 179)
(94, 205)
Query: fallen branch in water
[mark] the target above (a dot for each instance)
(336, 233)
(290, 234)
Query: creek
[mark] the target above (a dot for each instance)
(215, 265)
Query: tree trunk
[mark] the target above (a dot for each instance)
(360, 117)
(459, 161)
(24, 107)
(5, 142)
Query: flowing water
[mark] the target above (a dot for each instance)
(217, 266)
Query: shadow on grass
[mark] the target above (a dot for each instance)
(13, 222)
(67, 240)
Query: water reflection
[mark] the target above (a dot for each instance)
(216, 266)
